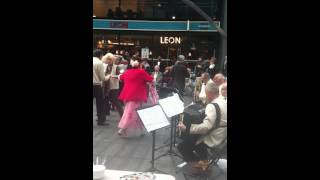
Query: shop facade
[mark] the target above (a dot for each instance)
(166, 39)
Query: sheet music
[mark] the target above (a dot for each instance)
(172, 105)
(153, 118)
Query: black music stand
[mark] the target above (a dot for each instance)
(153, 118)
(172, 103)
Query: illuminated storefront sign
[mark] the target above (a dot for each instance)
(142, 25)
(170, 40)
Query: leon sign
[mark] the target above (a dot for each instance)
(170, 40)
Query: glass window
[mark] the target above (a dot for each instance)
(154, 9)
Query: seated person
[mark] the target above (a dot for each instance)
(204, 78)
(157, 75)
(223, 91)
(219, 79)
(208, 137)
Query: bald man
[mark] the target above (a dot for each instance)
(219, 79)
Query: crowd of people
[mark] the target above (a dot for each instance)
(126, 85)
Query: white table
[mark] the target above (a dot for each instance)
(116, 174)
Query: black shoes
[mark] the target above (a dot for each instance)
(103, 124)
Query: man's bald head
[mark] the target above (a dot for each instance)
(218, 79)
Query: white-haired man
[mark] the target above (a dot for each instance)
(210, 133)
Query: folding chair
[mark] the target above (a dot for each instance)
(214, 154)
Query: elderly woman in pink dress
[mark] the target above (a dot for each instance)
(133, 94)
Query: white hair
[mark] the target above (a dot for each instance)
(134, 63)
(181, 58)
(109, 55)
(106, 57)
(212, 88)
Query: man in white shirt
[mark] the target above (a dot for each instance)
(208, 137)
(113, 72)
(98, 78)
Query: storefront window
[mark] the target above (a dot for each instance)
(168, 45)
(154, 9)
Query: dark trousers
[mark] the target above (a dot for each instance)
(107, 104)
(180, 86)
(113, 98)
(186, 149)
(100, 104)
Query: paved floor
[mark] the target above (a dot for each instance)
(134, 154)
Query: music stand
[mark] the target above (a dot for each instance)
(153, 118)
(172, 106)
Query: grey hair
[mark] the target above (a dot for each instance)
(212, 88)
(181, 57)
(206, 75)
(107, 56)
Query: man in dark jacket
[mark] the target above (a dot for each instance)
(179, 74)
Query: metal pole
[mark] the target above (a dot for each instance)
(171, 134)
(153, 147)
(205, 16)
(153, 8)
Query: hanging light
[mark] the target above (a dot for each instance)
(150, 53)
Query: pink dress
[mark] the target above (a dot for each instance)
(134, 93)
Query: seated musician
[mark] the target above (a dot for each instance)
(204, 78)
(209, 133)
